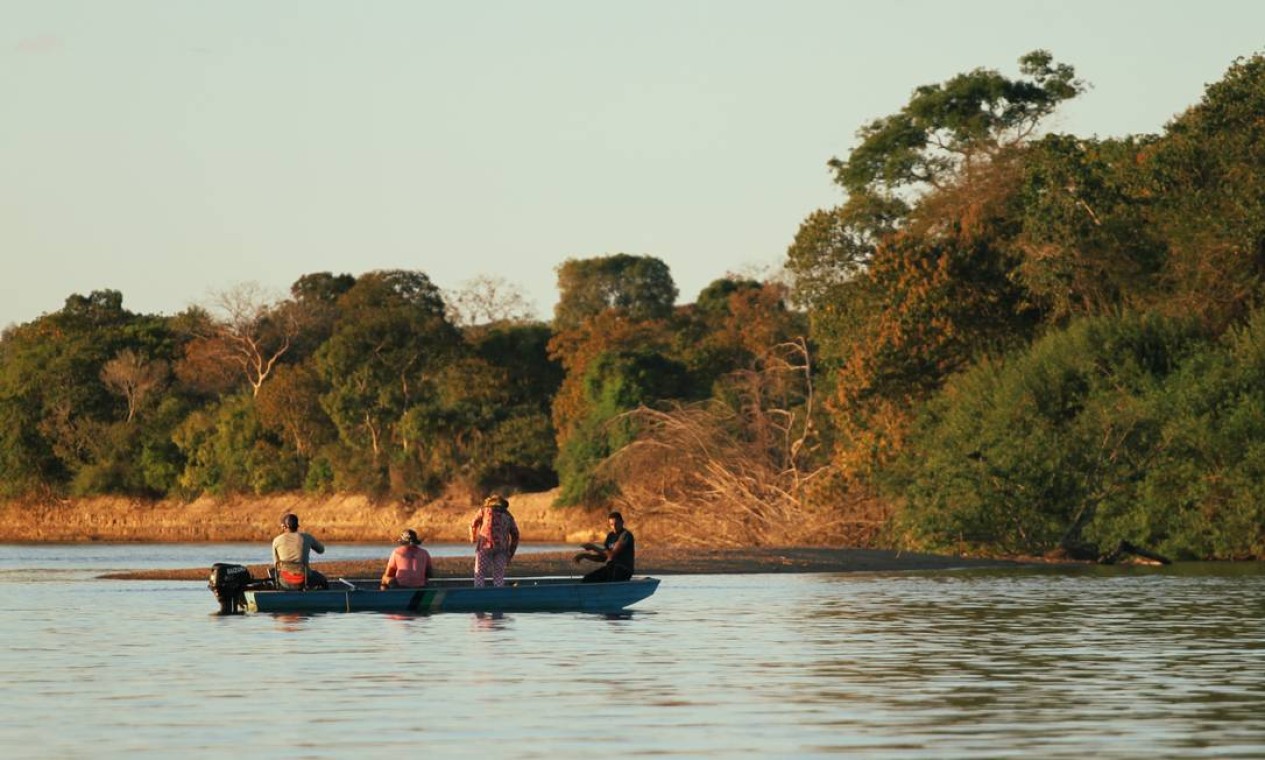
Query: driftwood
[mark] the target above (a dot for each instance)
(1142, 556)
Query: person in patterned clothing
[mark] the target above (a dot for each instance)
(495, 537)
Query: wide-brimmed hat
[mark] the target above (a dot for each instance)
(410, 537)
(495, 500)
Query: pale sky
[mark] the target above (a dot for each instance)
(172, 148)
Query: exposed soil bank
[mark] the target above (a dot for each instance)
(350, 519)
(651, 560)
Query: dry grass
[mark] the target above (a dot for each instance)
(740, 473)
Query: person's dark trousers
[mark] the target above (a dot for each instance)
(608, 573)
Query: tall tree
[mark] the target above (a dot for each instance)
(640, 287)
(389, 344)
(945, 134)
(911, 278)
(1212, 198)
(1089, 243)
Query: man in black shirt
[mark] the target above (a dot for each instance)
(619, 553)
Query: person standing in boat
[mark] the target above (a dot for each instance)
(290, 554)
(410, 565)
(495, 537)
(618, 552)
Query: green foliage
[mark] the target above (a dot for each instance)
(226, 450)
(639, 286)
(1210, 196)
(946, 124)
(734, 326)
(913, 278)
(390, 337)
(714, 300)
(519, 453)
(57, 415)
(1029, 455)
(521, 351)
(320, 476)
(1201, 494)
(1088, 239)
(616, 382)
(27, 462)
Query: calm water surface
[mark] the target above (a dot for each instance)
(1039, 663)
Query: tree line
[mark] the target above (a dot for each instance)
(1001, 340)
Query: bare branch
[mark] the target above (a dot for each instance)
(254, 331)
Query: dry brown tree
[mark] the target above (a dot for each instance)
(254, 330)
(134, 377)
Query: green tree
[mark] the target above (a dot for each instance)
(314, 306)
(733, 325)
(1089, 243)
(387, 349)
(290, 406)
(614, 383)
(57, 412)
(641, 287)
(518, 445)
(1029, 455)
(911, 279)
(948, 129)
(1211, 199)
(948, 136)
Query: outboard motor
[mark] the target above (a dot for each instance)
(229, 584)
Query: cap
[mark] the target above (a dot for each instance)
(410, 537)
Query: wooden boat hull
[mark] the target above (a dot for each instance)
(517, 595)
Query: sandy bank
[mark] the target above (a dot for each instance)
(350, 519)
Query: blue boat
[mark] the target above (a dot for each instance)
(237, 592)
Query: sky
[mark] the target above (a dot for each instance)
(175, 149)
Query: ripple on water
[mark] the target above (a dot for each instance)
(966, 664)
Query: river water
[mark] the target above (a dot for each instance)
(1048, 662)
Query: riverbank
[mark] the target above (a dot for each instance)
(338, 518)
(356, 519)
(651, 560)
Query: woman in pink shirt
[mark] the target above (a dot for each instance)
(410, 565)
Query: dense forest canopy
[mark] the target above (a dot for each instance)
(1001, 339)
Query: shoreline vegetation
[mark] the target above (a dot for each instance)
(1002, 341)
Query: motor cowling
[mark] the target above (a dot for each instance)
(229, 583)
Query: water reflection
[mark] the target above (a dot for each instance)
(1086, 655)
(489, 621)
(289, 622)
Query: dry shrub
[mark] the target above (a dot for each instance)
(739, 473)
